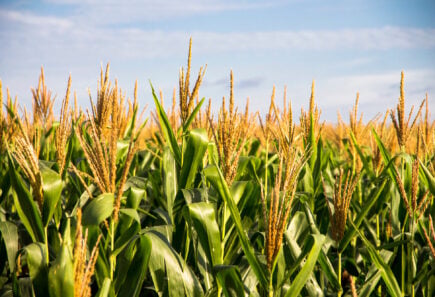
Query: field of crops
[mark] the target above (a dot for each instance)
(103, 202)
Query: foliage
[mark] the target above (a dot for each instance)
(102, 203)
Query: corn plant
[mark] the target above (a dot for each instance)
(101, 202)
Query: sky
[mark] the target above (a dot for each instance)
(345, 46)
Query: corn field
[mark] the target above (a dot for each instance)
(102, 202)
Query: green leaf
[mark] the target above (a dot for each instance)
(98, 209)
(26, 207)
(166, 128)
(311, 145)
(324, 261)
(9, 234)
(361, 215)
(130, 125)
(429, 177)
(373, 276)
(192, 157)
(35, 256)
(307, 180)
(169, 175)
(125, 238)
(297, 226)
(203, 216)
(361, 155)
(230, 280)
(25, 287)
(71, 143)
(318, 165)
(384, 152)
(328, 270)
(212, 154)
(297, 229)
(170, 273)
(138, 268)
(431, 286)
(386, 272)
(305, 273)
(214, 175)
(130, 213)
(239, 190)
(105, 288)
(52, 189)
(192, 115)
(121, 150)
(135, 190)
(61, 274)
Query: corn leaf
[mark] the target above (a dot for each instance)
(9, 233)
(125, 238)
(98, 209)
(24, 287)
(311, 285)
(429, 178)
(105, 288)
(169, 175)
(131, 124)
(366, 165)
(52, 187)
(193, 155)
(230, 280)
(386, 272)
(138, 268)
(214, 175)
(35, 255)
(170, 273)
(61, 274)
(166, 128)
(305, 273)
(384, 152)
(324, 261)
(25, 205)
(192, 115)
(361, 215)
(373, 276)
(71, 143)
(203, 216)
(121, 150)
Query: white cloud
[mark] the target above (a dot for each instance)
(79, 37)
(359, 39)
(31, 19)
(127, 12)
(377, 91)
(375, 86)
(78, 42)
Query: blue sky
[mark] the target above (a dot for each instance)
(345, 46)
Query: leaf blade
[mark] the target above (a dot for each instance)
(98, 209)
(214, 175)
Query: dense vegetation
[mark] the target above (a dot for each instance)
(101, 202)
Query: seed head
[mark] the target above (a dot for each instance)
(342, 195)
(276, 211)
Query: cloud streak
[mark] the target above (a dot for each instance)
(30, 19)
(67, 34)
(127, 12)
(244, 83)
(78, 43)
(317, 40)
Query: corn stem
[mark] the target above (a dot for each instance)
(340, 292)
